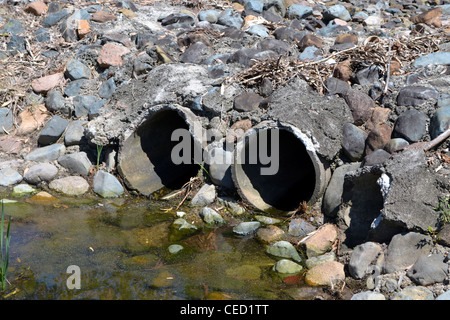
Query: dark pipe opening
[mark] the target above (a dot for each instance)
(155, 138)
(296, 178)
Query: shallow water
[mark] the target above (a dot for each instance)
(121, 247)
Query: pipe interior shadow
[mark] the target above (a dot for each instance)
(295, 180)
(156, 142)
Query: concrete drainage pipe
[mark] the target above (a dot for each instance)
(276, 179)
(145, 155)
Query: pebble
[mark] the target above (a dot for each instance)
(41, 172)
(72, 185)
(76, 70)
(354, 141)
(23, 189)
(47, 83)
(107, 185)
(429, 269)
(53, 130)
(269, 234)
(37, 8)
(285, 266)
(362, 257)
(321, 241)
(410, 125)
(111, 55)
(415, 95)
(284, 249)
(6, 120)
(440, 121)
(77, 162)
(325, 273)
(210, 216)
(9, 176)
(298, 11)
(46, 154)
(245, 228)
(403, 250)
(368, 295)
(75, 133)
(206, 195)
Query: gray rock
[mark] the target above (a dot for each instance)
(245, 228)
(254, 5)
(415, 95)
(410, 125)
(404, 250)
(298, 11)
(441, 57)
(444, 296)
(440, 121)
(310, 53)
(16, 44)
(212, 16)
(53, 18)
(429, 269)
(41, 172)
(74, 133)
(6, 120)
(196, 53)
(12, 27)
(210, 216)
(53, 130)
(219, 161)
(395, 145)
(300, 228)
(377, 157)
(42, 35)
(332, 198)
(412, 192)
(76, 70)
(76, 163)
(353, 141)
(46, 154)
(83, 105)
(363, 256)
(259, 30)
(284, 249)
(206, 195)
(9, 176)
(178, 20)
(248, 101)
(107, 88)
(230, 18)
(368, 295)
(106, 185)
(337, 11)
(367, 76)
(336, 86)
(55, 102)
(73, 87)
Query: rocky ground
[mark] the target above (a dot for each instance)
(77, 76)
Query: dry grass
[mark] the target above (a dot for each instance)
(374, 51)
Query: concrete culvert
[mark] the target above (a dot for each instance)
(284, 175)
(145, 156)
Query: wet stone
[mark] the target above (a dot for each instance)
(40, 172)
(245, 228)
(284, 249)
(285, 266)
(9, 176)
(106, 185)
